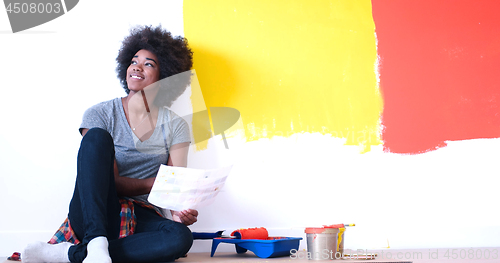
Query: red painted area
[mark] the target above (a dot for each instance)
(440, 71)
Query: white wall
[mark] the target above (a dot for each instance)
(52, 73)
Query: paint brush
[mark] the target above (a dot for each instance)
(339, 225)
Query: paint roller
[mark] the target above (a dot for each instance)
(251, 233)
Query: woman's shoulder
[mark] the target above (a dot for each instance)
(101, 115)
(177, 126)
(104, 111)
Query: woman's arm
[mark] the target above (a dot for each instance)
(131, 186)
(178, 157)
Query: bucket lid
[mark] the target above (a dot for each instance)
(321, 230)
(314, 230)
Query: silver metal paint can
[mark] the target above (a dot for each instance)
(322, 243)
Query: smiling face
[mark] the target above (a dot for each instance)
(144, 70)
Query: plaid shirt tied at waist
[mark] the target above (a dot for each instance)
(127, 225)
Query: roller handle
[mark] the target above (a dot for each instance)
(202, 235)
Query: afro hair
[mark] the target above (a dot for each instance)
(174, 57)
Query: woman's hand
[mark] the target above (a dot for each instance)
(186, 217)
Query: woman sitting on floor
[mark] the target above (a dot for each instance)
(124, 142)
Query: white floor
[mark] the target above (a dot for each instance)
(451, 255)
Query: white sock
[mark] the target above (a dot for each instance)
(97, 251)
(43, 252)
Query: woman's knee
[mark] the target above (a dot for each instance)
(98, 134)
(185, 237)
(99, 137)
(182, 236)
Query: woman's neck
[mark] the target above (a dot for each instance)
(141, 113)
(140, 103)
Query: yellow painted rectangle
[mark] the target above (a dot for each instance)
(289, 66)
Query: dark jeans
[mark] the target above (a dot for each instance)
(95, 211)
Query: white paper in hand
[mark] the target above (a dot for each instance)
(179, 188)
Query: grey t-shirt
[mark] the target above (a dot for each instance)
(136, 159)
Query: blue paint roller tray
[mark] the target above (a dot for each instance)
(263, 248)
